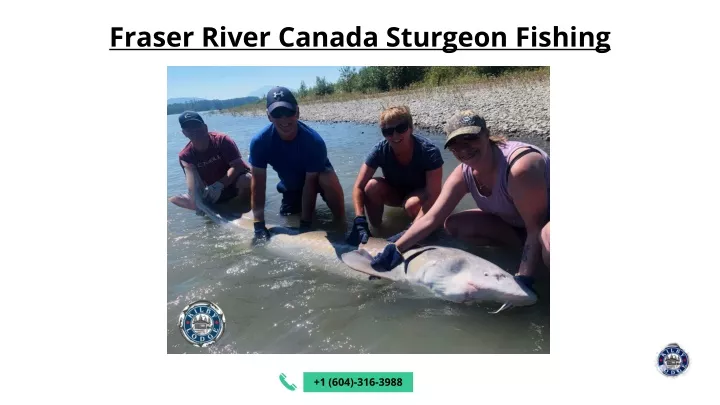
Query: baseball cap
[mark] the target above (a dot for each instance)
(189, 116)
(280, 97)
(462, 123)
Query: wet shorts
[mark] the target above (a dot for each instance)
(228, 194)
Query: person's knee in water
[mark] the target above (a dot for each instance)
(412, 174)
(299, 156)
(217, 161)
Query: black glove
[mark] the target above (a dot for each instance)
(388, 259)
(360, 232)
(261, 232)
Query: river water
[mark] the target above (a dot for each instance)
(274, 305)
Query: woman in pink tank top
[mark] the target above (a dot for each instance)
(510, 184)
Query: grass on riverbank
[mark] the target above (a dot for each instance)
(468, 81)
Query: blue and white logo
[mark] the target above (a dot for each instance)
(202, 323)
(673, 360)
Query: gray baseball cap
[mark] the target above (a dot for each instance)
(463, 123)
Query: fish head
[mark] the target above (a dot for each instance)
(458, 276)
(495, 284)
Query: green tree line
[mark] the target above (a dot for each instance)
(374, 79)
(208, 105)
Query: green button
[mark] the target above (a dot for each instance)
(358, 382)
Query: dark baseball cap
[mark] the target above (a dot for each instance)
(188, 117)
(281, 97)
(463, 123)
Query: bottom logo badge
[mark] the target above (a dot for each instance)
(673, 360)
(202, 323)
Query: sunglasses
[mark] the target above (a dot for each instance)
(464, 138)
(282, 112)
(400, 128)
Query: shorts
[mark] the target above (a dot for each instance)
(404, 193)
(228, 194)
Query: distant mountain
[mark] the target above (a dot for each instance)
(261, 92)
(209, 105)
(182, 100)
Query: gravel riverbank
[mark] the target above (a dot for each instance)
(518, 109)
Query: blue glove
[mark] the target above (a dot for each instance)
(304, 226)
(360, 232)
(388, 259)
(526, 281)
(261, 232)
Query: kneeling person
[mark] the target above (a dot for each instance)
(412, 169)
(299, 156)
(216, 159)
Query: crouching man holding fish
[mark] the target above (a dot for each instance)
(217, 160)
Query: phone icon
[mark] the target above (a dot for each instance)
(291, 387)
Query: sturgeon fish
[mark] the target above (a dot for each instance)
(444, 272)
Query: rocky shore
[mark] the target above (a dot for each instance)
(518, 109)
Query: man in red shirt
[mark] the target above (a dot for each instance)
(216, 159)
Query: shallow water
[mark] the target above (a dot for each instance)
(279, 306)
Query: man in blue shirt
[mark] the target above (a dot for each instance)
(412, 169)
(299, 156)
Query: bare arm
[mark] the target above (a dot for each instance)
(237, 167)
(309, 196)
(452, 192)
(433, 185)
(527, 187)
(365, 174)
(231, 176)
(257, 187)
(192, 179)
(241, 165)
(231, 154)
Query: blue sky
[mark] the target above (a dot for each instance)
(223, 82)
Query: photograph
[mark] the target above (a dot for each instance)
(358, 209)
(357, 201)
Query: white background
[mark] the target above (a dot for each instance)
(634, 149)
